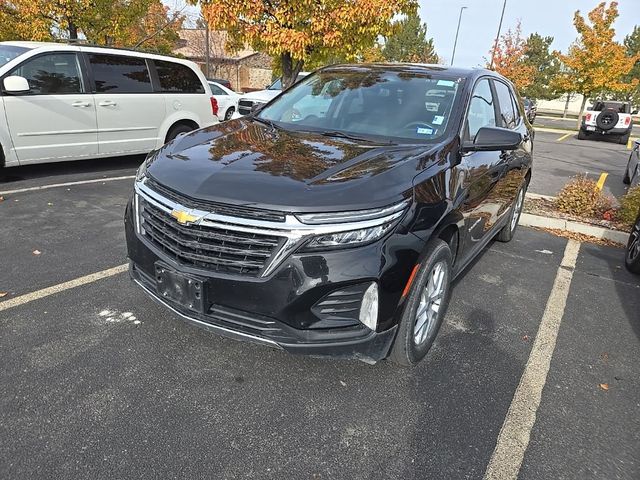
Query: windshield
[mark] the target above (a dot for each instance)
(277, 85)
(9, 52)
(396, 105)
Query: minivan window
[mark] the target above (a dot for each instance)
(177, 78)
(120, 74)
(507, 114)
(49, 74)
(9, 52)
(368, 103)
(482, 111)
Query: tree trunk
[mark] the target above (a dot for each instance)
(566, 106)
(584, 102)
(73, 29)
(290, 69)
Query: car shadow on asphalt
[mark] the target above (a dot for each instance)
(79, 167)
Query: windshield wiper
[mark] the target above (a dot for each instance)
(264, 121)
(336, 133)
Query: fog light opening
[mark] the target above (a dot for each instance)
(369, 307)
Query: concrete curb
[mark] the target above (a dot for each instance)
(538, 196)
(554, 130)
(529, 220)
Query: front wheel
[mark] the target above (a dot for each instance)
(425, 307)
(229, 114)
(632, 259)
(177, 130)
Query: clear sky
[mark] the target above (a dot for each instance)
(480, 23)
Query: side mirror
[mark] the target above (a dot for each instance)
(256, 107)
(16, 84)
(493, 139)
(635, 112)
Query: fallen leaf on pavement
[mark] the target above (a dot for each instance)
(604, 386)
(50, 204)
(604, 356)
(3, 294)
(525, 338)
(37, 252)
(1, 198)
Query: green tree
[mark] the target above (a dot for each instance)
(409, 42)
(545, 67)
(632, 44)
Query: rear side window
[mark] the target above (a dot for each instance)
(216, 90)
(120, 74)
(51, 74)
(507, 114)
(482, 111)
(177, 78)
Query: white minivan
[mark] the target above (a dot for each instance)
(70, 102)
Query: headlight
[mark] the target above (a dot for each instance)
(351, 228)
(350, 238)
(142, 172)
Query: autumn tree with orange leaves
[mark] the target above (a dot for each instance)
(596, 63)
(304, 31)
(509, 59)
(143, 24)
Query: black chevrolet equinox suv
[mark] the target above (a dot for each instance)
(333, 220)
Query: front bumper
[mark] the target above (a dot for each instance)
(280, 310)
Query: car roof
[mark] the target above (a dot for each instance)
(86, 47)
(417, 67)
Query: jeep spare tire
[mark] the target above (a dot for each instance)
(607, 119)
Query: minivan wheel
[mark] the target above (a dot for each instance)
(177, 130)
(425, 307)
(632, 260)
(507, 232)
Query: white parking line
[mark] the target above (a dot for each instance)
(67, 184)
(515, 434)
(61, 287)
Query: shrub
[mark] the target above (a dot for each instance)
(629, 206)
(581, 197)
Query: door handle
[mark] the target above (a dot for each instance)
(81, 104)
(107, 103)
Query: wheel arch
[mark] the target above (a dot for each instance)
(187, 122)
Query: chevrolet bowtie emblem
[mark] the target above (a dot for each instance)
(183, 217)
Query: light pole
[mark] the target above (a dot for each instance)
(455, 43)
(495, 45)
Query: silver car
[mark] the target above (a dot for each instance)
(632, 174)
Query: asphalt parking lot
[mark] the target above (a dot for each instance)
(100, 382)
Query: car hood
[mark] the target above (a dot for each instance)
(261, 95)
(243, 162)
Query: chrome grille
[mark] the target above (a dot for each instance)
(245, 107)
(214, 249)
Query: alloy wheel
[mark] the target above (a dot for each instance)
(633, 250)
(517, 209)
(430, 303)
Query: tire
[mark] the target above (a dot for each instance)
(624, 139)
(632, 257)
(627, 178)
(607, 119)
(177, 130)
(412, 343)
(229, 113)
(508, 231)
(582, 135)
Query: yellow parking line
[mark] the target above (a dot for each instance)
(603, 178)
(564, 137)
(630, 143)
